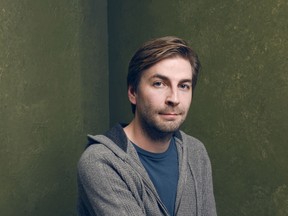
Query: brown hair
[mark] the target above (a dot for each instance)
(156, 50)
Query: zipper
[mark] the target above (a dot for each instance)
(156, 196)
(148, 187)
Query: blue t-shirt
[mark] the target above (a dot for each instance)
(163, 170)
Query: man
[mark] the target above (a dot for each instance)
(150, 167)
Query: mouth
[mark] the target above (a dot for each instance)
(169, 115)
(170, 112)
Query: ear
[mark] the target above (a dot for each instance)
(132, 95)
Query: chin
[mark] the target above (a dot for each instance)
(168, 127)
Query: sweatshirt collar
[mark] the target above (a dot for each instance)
(118, 136)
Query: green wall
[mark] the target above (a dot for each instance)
(240, 104)
(53, 90)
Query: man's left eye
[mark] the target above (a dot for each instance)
(184, 86)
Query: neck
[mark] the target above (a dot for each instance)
(148, 138)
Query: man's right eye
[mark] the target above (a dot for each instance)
(158, 84)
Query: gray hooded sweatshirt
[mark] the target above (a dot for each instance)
(112, 180)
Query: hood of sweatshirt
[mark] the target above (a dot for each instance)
(117, 135)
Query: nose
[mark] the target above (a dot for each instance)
(172, 98)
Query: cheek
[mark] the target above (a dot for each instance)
(150, 97)
(155, 97)
(186, 101)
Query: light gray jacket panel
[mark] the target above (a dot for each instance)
(112, 180)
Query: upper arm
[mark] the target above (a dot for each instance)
(103, 191)
(201, 166)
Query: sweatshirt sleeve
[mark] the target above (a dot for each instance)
(200, 165)
(208, 204)
(102, 190)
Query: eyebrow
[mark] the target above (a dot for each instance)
(160, 76)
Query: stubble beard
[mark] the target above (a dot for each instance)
(157, 128)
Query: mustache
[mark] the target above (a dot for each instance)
(171, 110)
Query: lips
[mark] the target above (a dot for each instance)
(169, 114)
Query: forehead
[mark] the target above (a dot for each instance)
(172, 68)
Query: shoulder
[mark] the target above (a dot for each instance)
(94, 155)
(195, 149)
(192, 143)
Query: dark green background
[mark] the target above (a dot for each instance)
(55, 87)
(53, 90)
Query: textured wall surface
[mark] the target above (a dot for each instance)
(241, 101)
(54, 84)
(53, 90)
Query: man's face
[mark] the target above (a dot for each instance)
(164, 95)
